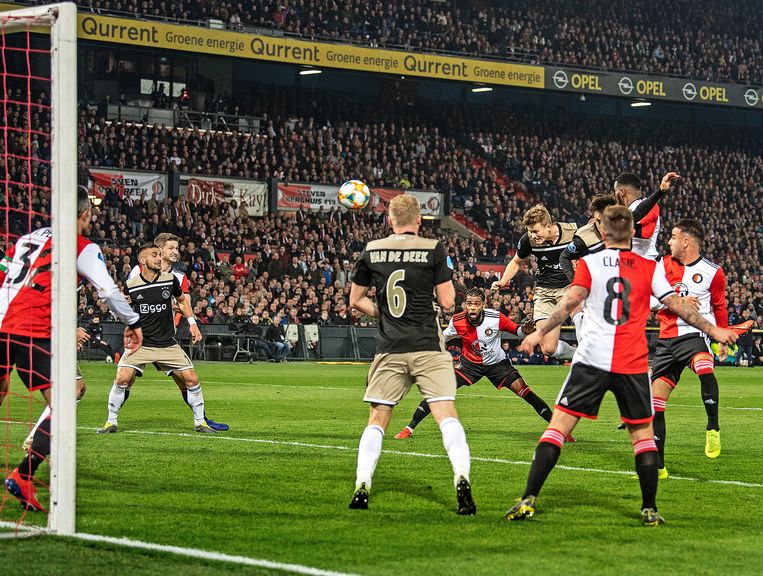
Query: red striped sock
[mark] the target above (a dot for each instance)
(553, 436)
(645, 445)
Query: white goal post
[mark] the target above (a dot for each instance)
(61, 20)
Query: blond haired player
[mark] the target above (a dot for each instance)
(546, 240)
(406, 270)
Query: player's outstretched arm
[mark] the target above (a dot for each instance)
(691, 315)
(511, 270)
(360, 301)
(184, 303)
(575, 296)
(640, 212)
(91, 265)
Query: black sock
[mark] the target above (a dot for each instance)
(127, 395)
(646, 468)
(709, 386)
(539, 405)
(544, 461)
(659, 437)
(39, 452)
(421, 412)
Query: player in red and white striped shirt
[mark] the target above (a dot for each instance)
(616, 285)
(482, 356)
(25, 325)
(681, 344)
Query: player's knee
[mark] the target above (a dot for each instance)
(703, 364)
(520, 388)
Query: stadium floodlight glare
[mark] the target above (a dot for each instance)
(482, 89)
(640, 104)
(310, 72)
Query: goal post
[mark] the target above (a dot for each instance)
(19, 27)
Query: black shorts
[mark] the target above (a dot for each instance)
(672, 355)
(30, 356)
(501, 374)
(585, 387)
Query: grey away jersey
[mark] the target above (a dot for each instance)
(405, 269)
(550, 273)
(153, 301)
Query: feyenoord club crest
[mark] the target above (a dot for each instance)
(697, 278)
(488, 332)
(165, 293)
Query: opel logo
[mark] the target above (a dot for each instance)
(751, 97)
(689, 91)
(626, 85)
(560, 79)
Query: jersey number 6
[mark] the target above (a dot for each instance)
(396, 296)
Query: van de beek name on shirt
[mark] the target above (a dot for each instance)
(382, 256)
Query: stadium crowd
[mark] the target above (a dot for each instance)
(718, 41)
(294, 268)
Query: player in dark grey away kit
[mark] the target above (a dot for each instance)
(406, 271)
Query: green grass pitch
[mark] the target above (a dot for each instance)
(277, 485)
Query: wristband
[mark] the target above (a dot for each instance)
(191, 321)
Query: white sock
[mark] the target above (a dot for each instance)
(563, 351)
(369, 450)
(196, 402)
(577, 320)
(454, 440)
(45, 414)
(116, 399)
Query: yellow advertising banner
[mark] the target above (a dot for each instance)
(318, 54)
(150, 34)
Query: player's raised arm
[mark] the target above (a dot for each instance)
(184, 303)
(511, 270)
(645, 207)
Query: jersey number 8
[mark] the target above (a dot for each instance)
(618, 289)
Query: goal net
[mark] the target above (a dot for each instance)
(38, 175)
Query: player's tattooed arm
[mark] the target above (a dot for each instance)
(575, 296)
(360, 301)
(691, 315)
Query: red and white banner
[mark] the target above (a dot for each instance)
(315, 197)
(208, 191)
(134, 184)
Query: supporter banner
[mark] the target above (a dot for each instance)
(207, 191)
(134, 184)
(653, 87)
(317, 197)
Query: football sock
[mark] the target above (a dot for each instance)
(40, 420)
(646, 468)
(117, 397)
(577, 320)
(40, 450)
(563, 351)
(535, 401)
(369, 450)
(709, 387)
(454, 441)
(196, 402)
(421, 412)
(546, 454)
(659, 429)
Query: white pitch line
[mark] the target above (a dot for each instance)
(207, 555)
(470, 396)
(222, 437)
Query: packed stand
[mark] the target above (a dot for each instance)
(718, 41)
